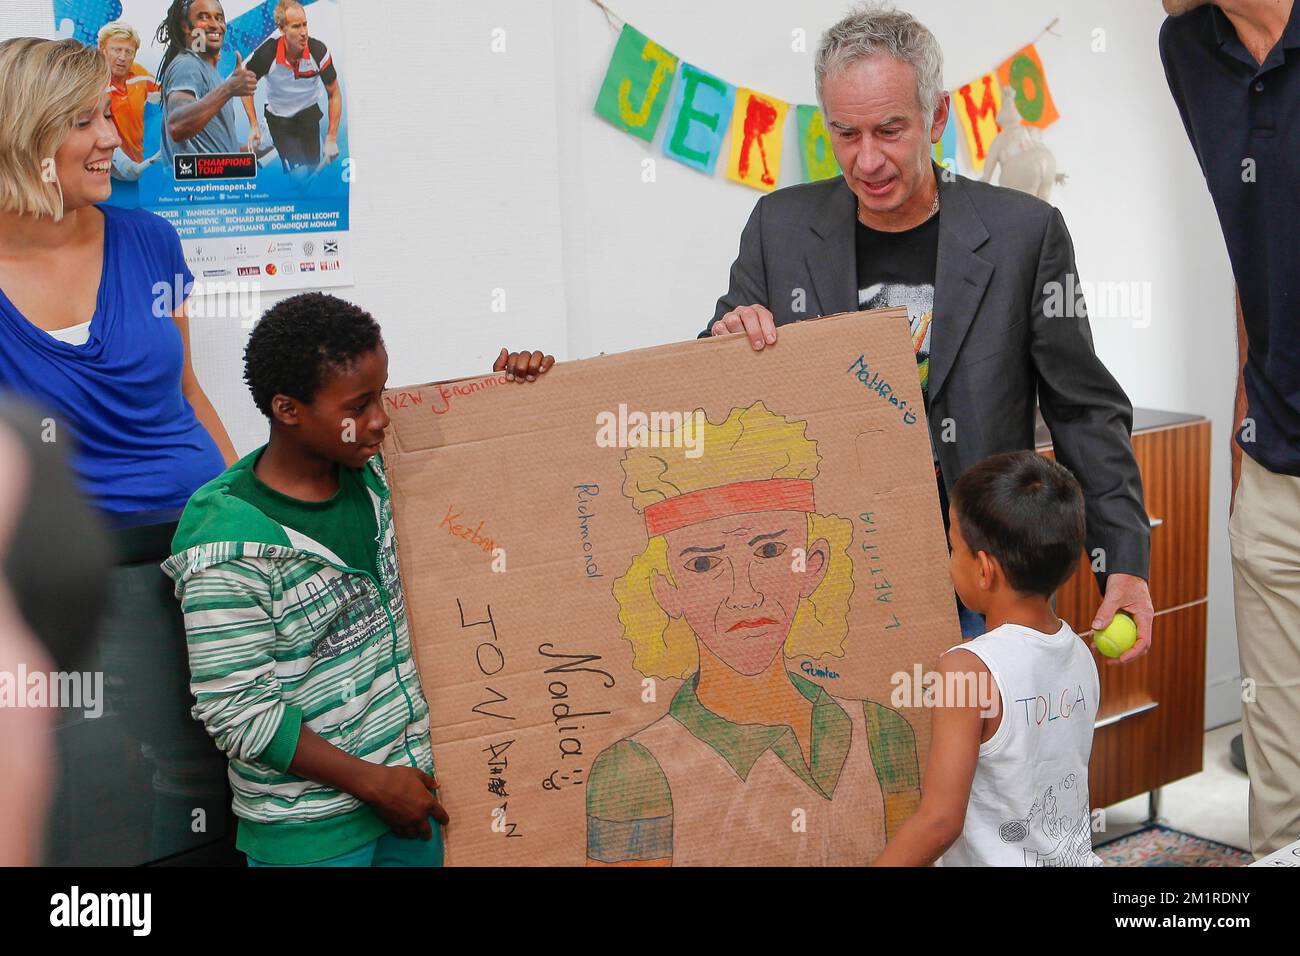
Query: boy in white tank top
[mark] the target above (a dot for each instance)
(1006, 783)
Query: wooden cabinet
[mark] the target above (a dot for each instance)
(1151, 719)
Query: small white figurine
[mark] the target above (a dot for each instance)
(1027, 164)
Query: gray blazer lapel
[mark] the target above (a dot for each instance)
(832, 255)
(960, 279)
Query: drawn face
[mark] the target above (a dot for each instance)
(881, 136)
(737, 582)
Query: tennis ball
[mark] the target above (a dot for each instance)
(1117, 636)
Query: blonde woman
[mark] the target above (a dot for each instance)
(754, 762)
(92, 296)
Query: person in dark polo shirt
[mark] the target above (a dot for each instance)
(1234, 71)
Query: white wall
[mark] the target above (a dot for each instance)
(479, 170)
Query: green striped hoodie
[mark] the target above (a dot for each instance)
(283, 635)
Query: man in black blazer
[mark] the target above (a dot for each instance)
(987, 275)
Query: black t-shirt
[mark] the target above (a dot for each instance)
(1243, 120)
(897, 269)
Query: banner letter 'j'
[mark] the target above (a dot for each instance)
(636, 84)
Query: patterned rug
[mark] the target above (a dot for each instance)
(1158, 845)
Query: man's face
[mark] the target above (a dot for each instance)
(295, 28)
(1176, 8)
(345, 421)
(736, 583)
(207, 28)
(120, 54)
(881, 136)
(83, 161)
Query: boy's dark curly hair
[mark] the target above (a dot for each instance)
(300, 341)
(1028, 512)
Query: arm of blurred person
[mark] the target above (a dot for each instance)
(25, 753)
(57, 565)
(198, 398)
(25, 732)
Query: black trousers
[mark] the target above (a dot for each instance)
(297, 137)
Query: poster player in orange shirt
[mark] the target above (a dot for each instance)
(132, 87)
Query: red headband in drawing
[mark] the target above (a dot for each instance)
(741, 497)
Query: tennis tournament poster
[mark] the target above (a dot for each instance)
(258, 191)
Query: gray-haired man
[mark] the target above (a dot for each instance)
(980, 269)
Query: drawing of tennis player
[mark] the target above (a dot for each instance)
(753, 763)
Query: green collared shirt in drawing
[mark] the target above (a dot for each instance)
(641, 787)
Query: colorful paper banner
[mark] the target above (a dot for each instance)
(1023, 72)
(815, 150)
(757, 123)
(945, 151)
(643, 78)
(976, 105)
(697, 123)
(636, 84)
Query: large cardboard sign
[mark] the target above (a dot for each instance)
(676, 606)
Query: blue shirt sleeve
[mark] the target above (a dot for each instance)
(166, 254)
(175, 254)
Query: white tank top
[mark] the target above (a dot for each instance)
(72, 334)
(1029, 798)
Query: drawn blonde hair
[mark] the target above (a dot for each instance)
(45, 85)
(752, 444)
(118, 30)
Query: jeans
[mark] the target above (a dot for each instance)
(387, 850)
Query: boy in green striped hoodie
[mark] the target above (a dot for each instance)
(300, 652)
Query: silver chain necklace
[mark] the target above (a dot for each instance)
(934, 208)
